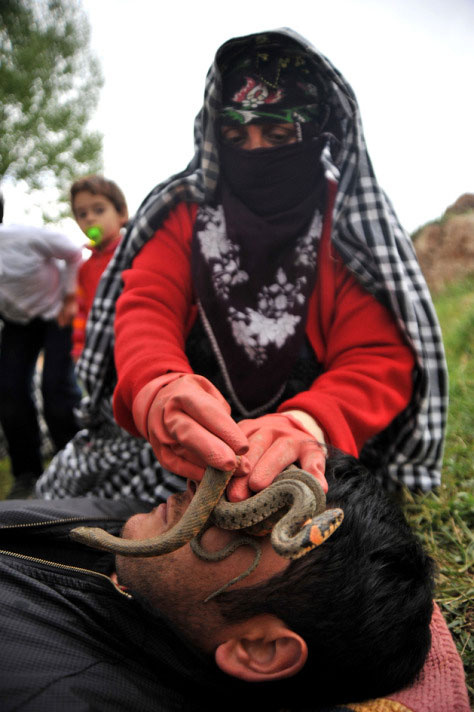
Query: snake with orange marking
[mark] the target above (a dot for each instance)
(292, 508)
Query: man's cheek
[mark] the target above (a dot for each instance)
(135, 526)
(215, 539)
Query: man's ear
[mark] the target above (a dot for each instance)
(262, 649)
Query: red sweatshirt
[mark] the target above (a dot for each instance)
(88, 278)
(367, 367)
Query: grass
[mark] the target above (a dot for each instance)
(445, 519)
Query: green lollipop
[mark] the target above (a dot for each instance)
(95, 234)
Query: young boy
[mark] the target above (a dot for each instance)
(100, 210)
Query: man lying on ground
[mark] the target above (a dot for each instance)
(349, 621)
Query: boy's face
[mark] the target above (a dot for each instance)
(96, 210)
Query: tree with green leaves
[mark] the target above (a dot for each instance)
(49, 87)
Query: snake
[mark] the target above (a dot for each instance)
(292, 509)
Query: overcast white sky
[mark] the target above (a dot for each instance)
(410, 63)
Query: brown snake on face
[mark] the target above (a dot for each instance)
(292, 508)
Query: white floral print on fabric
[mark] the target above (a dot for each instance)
(270, 322)
(216, 247)
(307, 245)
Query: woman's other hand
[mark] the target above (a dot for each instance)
(276, 441)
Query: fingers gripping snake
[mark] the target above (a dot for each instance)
(292, 508)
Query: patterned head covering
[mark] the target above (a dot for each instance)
(367, 235)
(270, 84)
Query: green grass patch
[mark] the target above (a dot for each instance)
(445, 519)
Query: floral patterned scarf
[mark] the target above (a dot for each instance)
(271, 83)
(254, 266)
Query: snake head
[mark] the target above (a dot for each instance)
(320, 528)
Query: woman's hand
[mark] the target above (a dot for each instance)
(188, 424)
(276, 441)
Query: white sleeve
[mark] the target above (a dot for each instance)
(55, 244)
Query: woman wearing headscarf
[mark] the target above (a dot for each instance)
(271, 302)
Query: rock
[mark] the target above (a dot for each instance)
(445, 248)
(462, 205)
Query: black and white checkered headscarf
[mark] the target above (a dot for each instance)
(367, 235)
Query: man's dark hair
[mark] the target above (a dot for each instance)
(362, 600)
